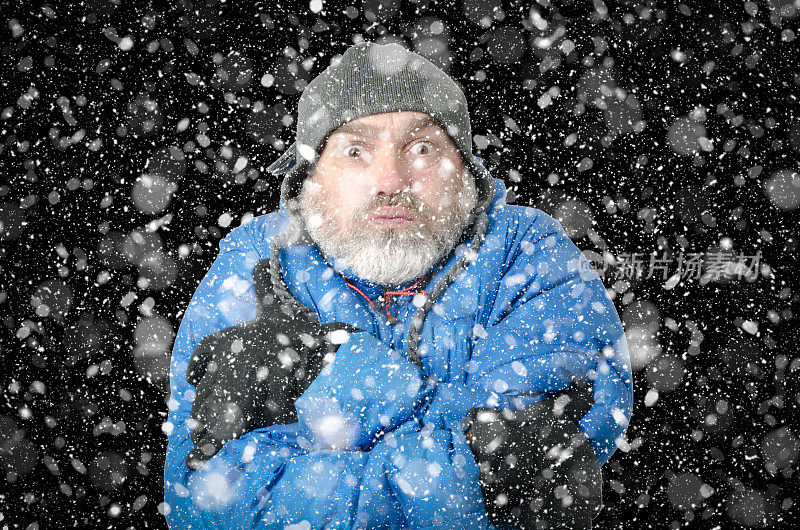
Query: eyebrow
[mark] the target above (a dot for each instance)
(366, 129)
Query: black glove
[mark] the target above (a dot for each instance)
(537, 469)
(249, 375)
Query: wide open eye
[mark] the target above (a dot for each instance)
(422, 149)
(355, 153)
(352, 151)
(424, 155)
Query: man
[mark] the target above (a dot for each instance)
(396, 347)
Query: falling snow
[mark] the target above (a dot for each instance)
(133, 139)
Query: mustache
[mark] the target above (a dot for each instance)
(405, 200)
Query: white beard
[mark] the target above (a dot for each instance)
(388, 256)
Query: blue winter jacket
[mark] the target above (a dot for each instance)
(522, 321)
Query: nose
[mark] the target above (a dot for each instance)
(389, 175)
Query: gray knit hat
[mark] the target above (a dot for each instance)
(369, 79)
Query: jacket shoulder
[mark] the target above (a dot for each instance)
(520, 223)
(256, 234)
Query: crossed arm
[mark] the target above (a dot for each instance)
(318, 469)
(271, 476)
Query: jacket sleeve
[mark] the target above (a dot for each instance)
(260, 479)
(552, 322)
(368, 389)
(223, 298)
(430, 476)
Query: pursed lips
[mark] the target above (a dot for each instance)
(392, 216)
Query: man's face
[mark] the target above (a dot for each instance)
(389, 194)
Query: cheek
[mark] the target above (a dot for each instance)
(343, 198)
(333, 188)
(352, 194)
(447, 168)
(438, 191)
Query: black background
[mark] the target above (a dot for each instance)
(84, 361)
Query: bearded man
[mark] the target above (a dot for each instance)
(396, 347)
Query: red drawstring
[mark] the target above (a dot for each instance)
(405, 292)
(356, 289)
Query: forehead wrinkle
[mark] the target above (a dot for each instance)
(356, 128)
(416, 124)
(368, 130)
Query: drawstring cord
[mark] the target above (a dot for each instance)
(405, 292)
(359, 291)
(471, 252)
